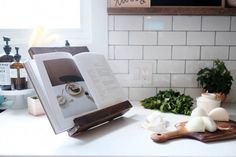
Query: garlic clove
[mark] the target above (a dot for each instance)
(155, 122)
(195, 124)
(210, 124)
(219, 114)
(198, 112)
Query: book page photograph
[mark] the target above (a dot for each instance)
(70, 89)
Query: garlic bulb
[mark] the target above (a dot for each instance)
(219, 114)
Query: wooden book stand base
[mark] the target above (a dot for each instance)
(93, 119)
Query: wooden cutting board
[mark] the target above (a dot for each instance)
(226, 130)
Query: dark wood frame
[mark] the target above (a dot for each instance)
(73, 50)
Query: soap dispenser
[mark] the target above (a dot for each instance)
(5, 62)
(18, 78)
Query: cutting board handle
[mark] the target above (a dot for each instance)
(228, 132)
(163, 137)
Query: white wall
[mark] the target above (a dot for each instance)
(99, 27)
(97, 43)
(151, 53)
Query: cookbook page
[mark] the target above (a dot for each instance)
(103, 85)
(69, 96)
(55, 119)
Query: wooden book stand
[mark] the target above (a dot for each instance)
(92, 119)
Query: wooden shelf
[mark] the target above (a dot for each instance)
(172, 10)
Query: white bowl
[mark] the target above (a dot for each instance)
(207, 104)
(209, 95)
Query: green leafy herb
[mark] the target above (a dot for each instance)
(34, 97)
(169, 101)
(217, 79)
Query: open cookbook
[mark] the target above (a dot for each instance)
(77, 92)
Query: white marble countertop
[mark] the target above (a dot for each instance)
(24, 135)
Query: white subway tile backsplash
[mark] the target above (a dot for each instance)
(186, 52)
(195, 66)
(157, 22)
(170, 66)
(171, 38)
(128, 52)
(232, 54)
(141, 93)
(214, 52)
(161, 80)
(143, 38)
(157, 52)
(119, 66)
(137, 63)
(184, 23)
(231, 65)
(233, 23)
(123, 79)
(231, 96)
(128, 22)
(184, 80)
(111, 20)
(126, 91)
(181, 90)
(193, 92)
(171, 50)
(225, 38)
(138, 83)
(141, 72)
(111, 52)
(215, 23)
(200, 38)
(232, 90)
(118, 38)
(233, 73)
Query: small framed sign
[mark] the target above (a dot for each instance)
(129, 3)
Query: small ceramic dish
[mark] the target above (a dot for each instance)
(73, 89)
(209, 95)
(208, 101)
